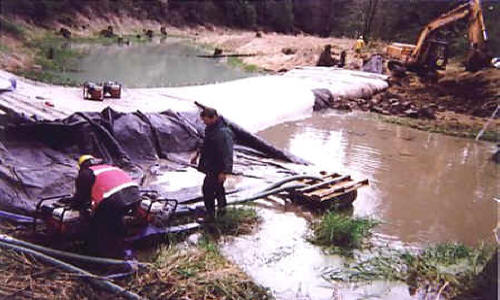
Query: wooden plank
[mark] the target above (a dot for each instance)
(345, 190)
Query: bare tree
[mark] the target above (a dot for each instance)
(369, 12)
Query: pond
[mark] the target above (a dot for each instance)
(159, 63)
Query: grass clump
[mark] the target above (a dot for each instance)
(235, 221)
(341, 233)
(237, 62)
(195, 273)
(449, 268)
(452, 129)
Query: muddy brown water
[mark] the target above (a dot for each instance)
(426, 188)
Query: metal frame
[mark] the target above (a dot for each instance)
(42, 200)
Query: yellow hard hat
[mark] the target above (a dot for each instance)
(84, 158)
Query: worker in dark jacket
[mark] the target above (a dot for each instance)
(108, 193)
(216, 161)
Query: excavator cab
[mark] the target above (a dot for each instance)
(435, 56)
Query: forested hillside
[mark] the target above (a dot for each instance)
(391, 20)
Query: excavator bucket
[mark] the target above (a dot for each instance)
(477, 60)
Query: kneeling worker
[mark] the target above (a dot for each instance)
(109, 193)
(216, 161)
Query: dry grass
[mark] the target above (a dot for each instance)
(23, 277)
(269, 47)
(199, 272)
(195, 273)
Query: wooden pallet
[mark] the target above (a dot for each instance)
(333, 190)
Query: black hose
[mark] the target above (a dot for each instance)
(267, 193)
(96, 281)
(63, 254)
(288, 179)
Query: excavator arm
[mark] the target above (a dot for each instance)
(448, 18)
(477, 32)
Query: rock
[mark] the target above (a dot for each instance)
(194, 238)
(344, 106)
(108, 32)
(406, 104)
(343, 58)
(379, 97)
(426, 113)
(325, 58)
(496, 157)
(323, 99)
(374, 64)
(163, 30)
(289, 51)
(218, 52)
(360, 101)
(376, 109)
(352, 105)
(65, 33)
(411, 113)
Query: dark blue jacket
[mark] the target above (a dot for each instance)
(217, 150)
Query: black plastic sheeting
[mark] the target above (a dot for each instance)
(38, 158)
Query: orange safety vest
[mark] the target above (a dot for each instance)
(108, 181)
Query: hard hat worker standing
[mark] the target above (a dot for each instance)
(216, 161)
(109, 193)
(359, 44)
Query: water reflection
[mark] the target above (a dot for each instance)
(426, 187)
(163, 62)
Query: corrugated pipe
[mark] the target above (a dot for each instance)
(96, 281)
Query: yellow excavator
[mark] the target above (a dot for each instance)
(431, 54)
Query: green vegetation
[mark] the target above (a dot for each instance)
(238, 63)
(453, 129)
(235, 221)
(9, 27)
(52, 54)
(340, 233)
(450, 267)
